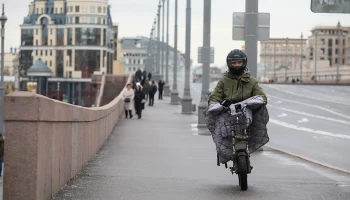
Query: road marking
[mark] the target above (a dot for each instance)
(310, 105)
(309, 159)
(302, 120)
(311, 97)
(283, 115)
(312, 115)
(295, 127)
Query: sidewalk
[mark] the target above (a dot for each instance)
(161, 156)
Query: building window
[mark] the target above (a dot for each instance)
(104, 9)
(85, 9)
(99, 10)
(76, 8)
(330, 42)
(59, 63)
(71, 8)
(27, 37)
(41, 52)
(46, 53)
(36, 42)
(92, 9)
(36, 31)
(44, 22)
(42, 10)
(36, 52)
(56, 10)
(71, 20)
(50, 42)
(69, 54)
(99, 20)
(69, 36)
(50, 52)
(92, 20)
(77, 20)
(61, 9)
(50, 63)
(322, 51)
(60, 37)
(87, 58)
(323, 41)
(84, 20)
(37, 11)
(70, 74)
(88, 36)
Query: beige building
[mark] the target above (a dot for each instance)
(282, 52)
(9, 62)
(331, 47)
(74, 38)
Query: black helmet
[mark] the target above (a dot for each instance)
(236, 55)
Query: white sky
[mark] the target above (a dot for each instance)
(135, 18)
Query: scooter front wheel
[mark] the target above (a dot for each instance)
(242, 172)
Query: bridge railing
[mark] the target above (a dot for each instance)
(47, 142)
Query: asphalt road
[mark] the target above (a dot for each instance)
(311, 121)
(162, 156)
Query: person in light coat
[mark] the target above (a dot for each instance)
(128, 98)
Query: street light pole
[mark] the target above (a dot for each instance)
(301, 58)
(274, 60)
(315, 57)
(174, 93)
(167, 86)
(162, 74)
(285, 74)
(157, 75)
(206, 62)
(3, 20)
(265, 60)
(338, 55)
(187, 99)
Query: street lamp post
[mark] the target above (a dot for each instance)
(301, 58)
(206, 63)
(315, 58)
(338, 55)
(265, 57)
(3, 20)
(162, 65)
(274, 60)
(187, 99)
(157, 75)
(174, 92)
(286, 60)
(167, 86)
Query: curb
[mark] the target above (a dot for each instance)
(309, 159)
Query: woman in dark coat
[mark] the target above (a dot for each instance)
(138, 99)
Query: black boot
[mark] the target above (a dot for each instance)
(130, 114)
(126, 114)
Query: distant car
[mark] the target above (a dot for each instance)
(264, 80)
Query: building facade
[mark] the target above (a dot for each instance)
(332, 46)
(283, 52)
(74, 38)
(135, 55)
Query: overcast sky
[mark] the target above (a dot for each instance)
(135, 17)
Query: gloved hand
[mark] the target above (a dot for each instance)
(215, 108)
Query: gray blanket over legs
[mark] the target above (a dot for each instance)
(219, 124)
